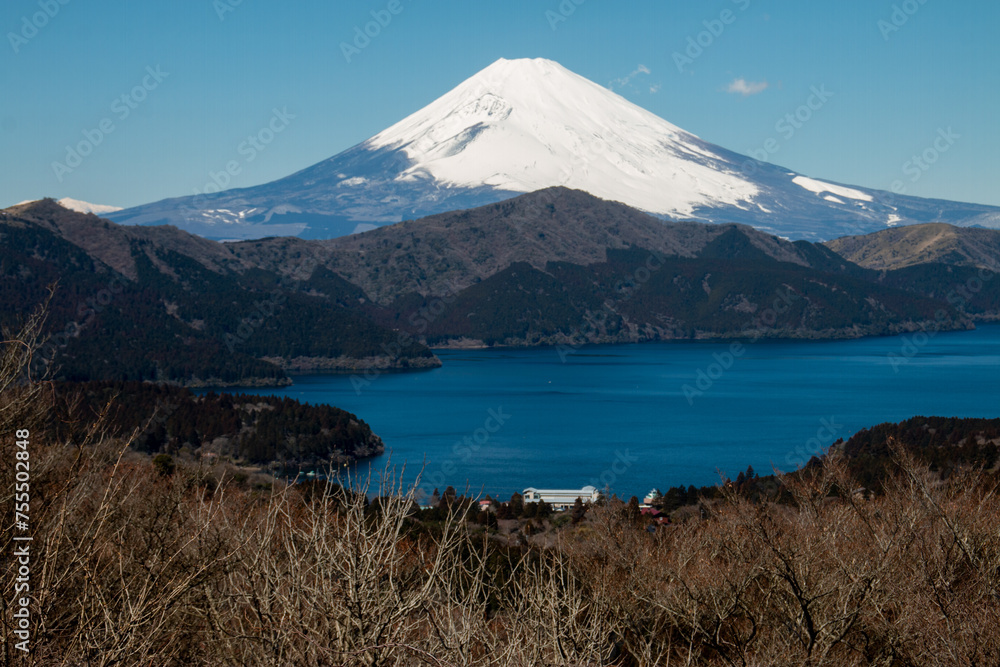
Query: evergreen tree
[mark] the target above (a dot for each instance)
(448, 499)
(164, 464)
(516, 505)
(632, 511)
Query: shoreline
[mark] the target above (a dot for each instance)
(318, 366)
(707, 337)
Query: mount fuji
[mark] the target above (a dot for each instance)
(523, 125)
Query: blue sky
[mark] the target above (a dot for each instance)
(212, 72)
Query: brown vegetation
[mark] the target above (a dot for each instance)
(911, 245)
(133, 564)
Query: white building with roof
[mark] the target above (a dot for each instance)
(561, 498)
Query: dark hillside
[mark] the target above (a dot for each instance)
(260, 430)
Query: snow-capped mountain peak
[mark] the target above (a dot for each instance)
(522, 125)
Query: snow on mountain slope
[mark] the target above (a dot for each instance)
(87, 207)
(524, 125)
(821, 188)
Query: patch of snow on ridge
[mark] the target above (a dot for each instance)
(819, 187)
(87, 207)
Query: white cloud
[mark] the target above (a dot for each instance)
(654, 89)
(743, 87)
(641, 69)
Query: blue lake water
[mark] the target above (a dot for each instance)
(619, 415)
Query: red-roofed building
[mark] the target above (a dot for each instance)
(654, 514)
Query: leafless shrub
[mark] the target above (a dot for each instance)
(132, 567)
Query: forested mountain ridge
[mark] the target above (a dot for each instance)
(162, 305)
(247, 430)
(932, 243)
(561, 266)
(448, 252)
(679, 298)
(958, 265)
(551, 267)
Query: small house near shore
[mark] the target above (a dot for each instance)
(654, 515)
